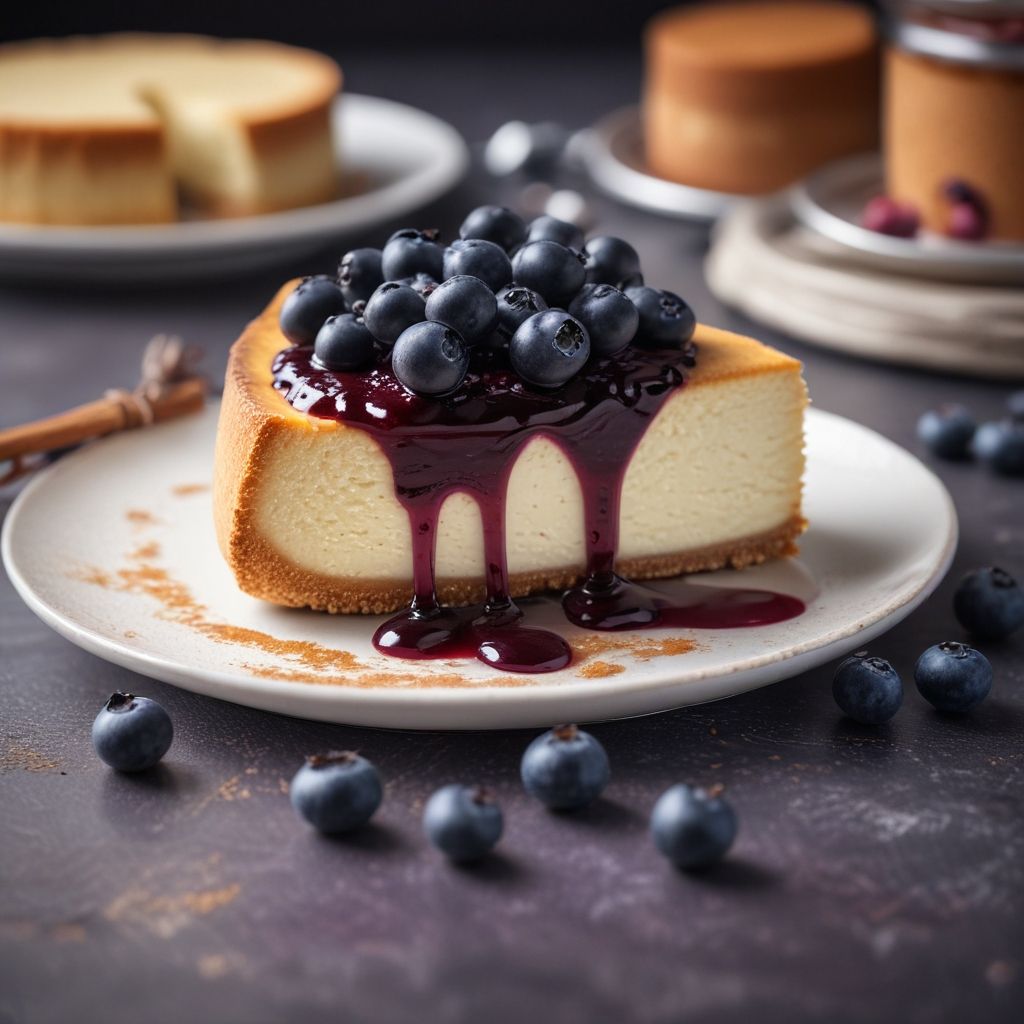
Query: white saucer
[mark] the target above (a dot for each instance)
(114, 548)
(614, 156)
(832, 200)
(395, 159)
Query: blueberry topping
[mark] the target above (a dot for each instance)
(565, 768)
(430, 359)
(392, 308)
(553, 269)
(463, 822)
(549, 348)
(610, 260)
(516, 304)
(867, 689)
(692, 828)
(967, 222)
(409, 252)
(550, 229)
(305, 310)
(344, 343)
(989, 603)
(956, 190)
(947, 431)
(953, 677)
(336, 792)
(476, 257)
(666, 321)
(610, 317)
(360, 274)
(495, 224)
(131, 733)
(1001, 446)
(889, 217)
(466, 304)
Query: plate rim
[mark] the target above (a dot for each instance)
(238, 687)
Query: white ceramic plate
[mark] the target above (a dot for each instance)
(832, 199)
(614, 157)
(114, 548)
(396, 159)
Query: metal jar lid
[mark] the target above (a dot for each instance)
(958, 47)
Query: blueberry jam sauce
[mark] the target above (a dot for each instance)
(469, 441)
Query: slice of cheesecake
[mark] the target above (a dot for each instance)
(307, 514)
(109, 130)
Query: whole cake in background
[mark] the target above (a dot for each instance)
(748, 98)
(111, 129)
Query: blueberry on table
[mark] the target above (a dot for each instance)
(692, 828)
(131, 733)
(953, 677)
(666, 320)
(549, 348)
(516, 304)
(550, 229)
(496, 224)
(867, 689)
(947, 431)
(610, 260)
(304, 311)
(430, 358)
(466, 304)
(476, 257)
(609, 315)
(989, 603)
(391, 309)
(409, 252)
(360, 274)
(344, 343)
(550, 268)
(1000, 446)
(463, 822)
(336, 792)
(565, 768)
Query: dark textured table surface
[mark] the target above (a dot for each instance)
(878, 875)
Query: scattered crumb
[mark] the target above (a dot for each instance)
(640, 648)
(187, 490)
(68, 932)
(999, 973)
(140, 517)
(600, 669)
(18, 757)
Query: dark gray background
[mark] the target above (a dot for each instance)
(878, 873)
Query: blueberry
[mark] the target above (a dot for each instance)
(666, 321)
(953, 677)
(609, 316)
(131, 733)
(551, 229)
(466, 304)
(989, 603)
(392, 308)
(305, 310)
(422, 284)
(1015, 405)
(477, 257)
(360, 274)
(565, 768)
(495, 224)
(553, 269)
(889, 217)
(336, 792)
(692, 828)
(430, 358)
(409, 252)
(1001, 446)
(549, 348)
(947, 431)
(344, 343)
(867, 689)
(610, 260)
(516, 304)
(463, 822)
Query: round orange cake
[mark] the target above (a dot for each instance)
(748, 98)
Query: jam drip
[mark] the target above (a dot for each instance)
(469, 441)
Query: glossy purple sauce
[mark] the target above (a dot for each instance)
(469, 441)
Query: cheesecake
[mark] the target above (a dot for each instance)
(122, 129)
(354, 489)
(750, 97)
